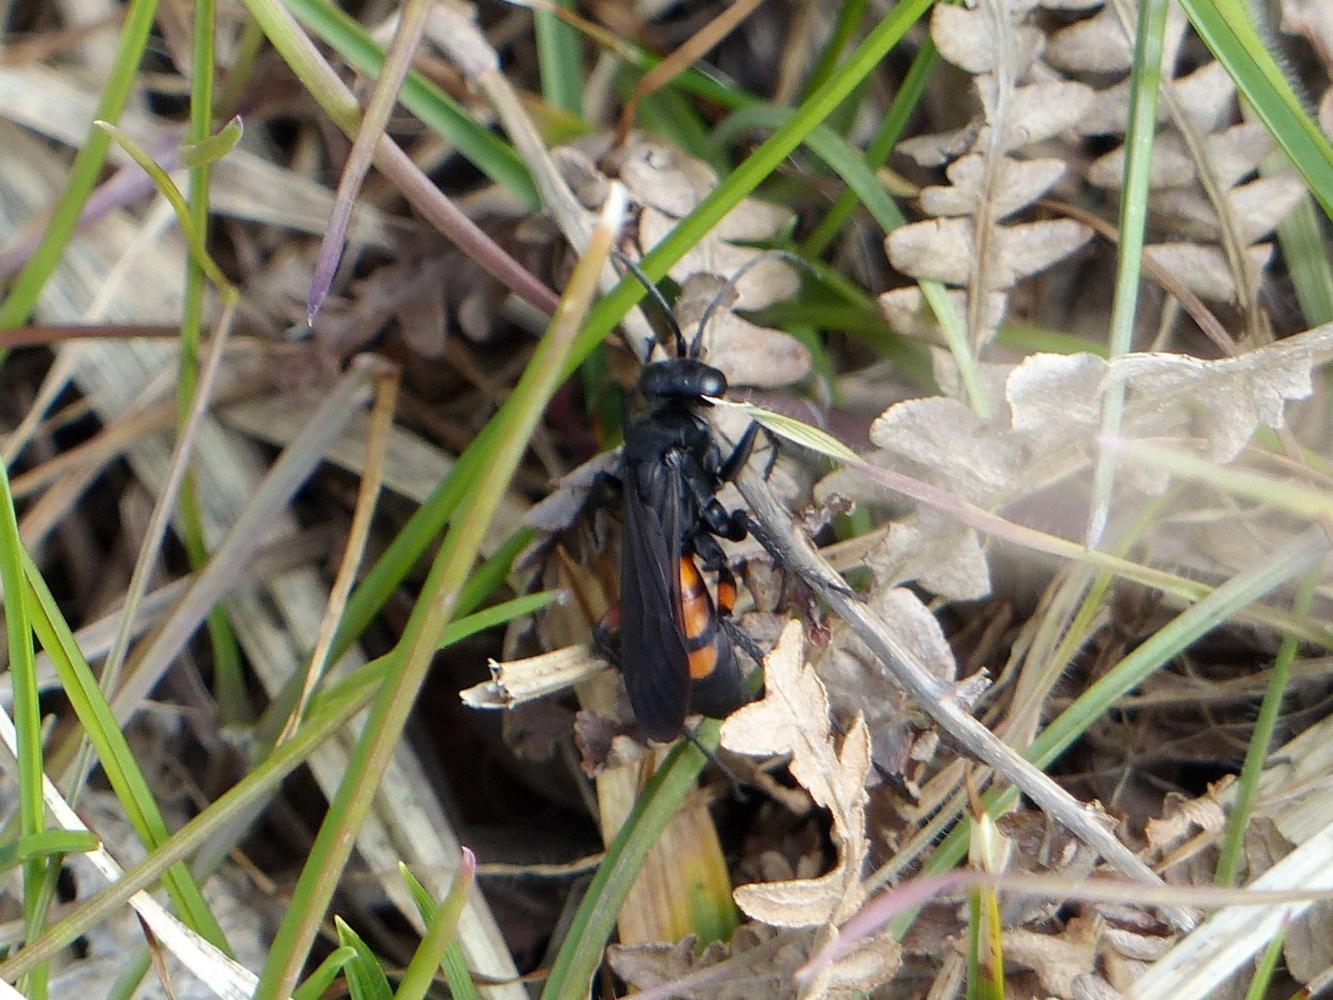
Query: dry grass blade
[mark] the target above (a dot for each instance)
(301, 53)
(468, 49)
(167, 499)
(1204, 959)
(386, 395)
(221, 574)
(371, 130)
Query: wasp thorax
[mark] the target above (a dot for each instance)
(681, 378)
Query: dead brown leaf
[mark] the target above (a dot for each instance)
(793, 718)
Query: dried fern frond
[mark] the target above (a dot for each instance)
(1207, 203)
(970, 245)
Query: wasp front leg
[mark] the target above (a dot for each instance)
(735, 525)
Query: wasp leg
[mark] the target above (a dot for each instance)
(602, 633)
(745, 447)
(710, 553)
(740, 454)
(736, 525)
(718, 521)
(761, 535)
(741, 638)
(776, 550)
(737, 783)
(608, 481)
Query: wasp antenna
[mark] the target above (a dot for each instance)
(728, 290)
(656, 295)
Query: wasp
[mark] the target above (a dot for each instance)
(677, 643)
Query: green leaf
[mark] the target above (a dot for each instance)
(319, 981)
(560, 60)
(439, 946)
(215, 147)
(794, 430)
(364, 975)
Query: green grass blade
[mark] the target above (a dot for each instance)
(28, 725)
(849, 17)
(453, 963)
(667, 113)
(319, 981)
(1302, 241)
(118, 760)
(580, 955)
(363, 973)
(88, 163)
(439, 936)
(163, 182)
(1279, 567)
(905, 101)
(559, 60)
(1256, 754)
(211, 148)
(434, 609)
(329, 713)
(47, 844)
(1260, 985)
(1282, 565)
(1145, 81)
(198, 152)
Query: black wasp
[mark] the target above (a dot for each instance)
(676, 645)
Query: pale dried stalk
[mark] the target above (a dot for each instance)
(381, 419)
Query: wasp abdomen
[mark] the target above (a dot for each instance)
(698, 621)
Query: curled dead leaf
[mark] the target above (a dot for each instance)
(1103, 44)
(793, 718)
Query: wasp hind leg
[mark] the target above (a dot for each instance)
(605, 634)
(742, 638)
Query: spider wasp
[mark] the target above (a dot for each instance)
(677, 644)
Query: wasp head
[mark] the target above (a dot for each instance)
(681, 378)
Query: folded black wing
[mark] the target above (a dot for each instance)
(653, 656)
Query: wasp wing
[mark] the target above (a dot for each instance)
(653, 656)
